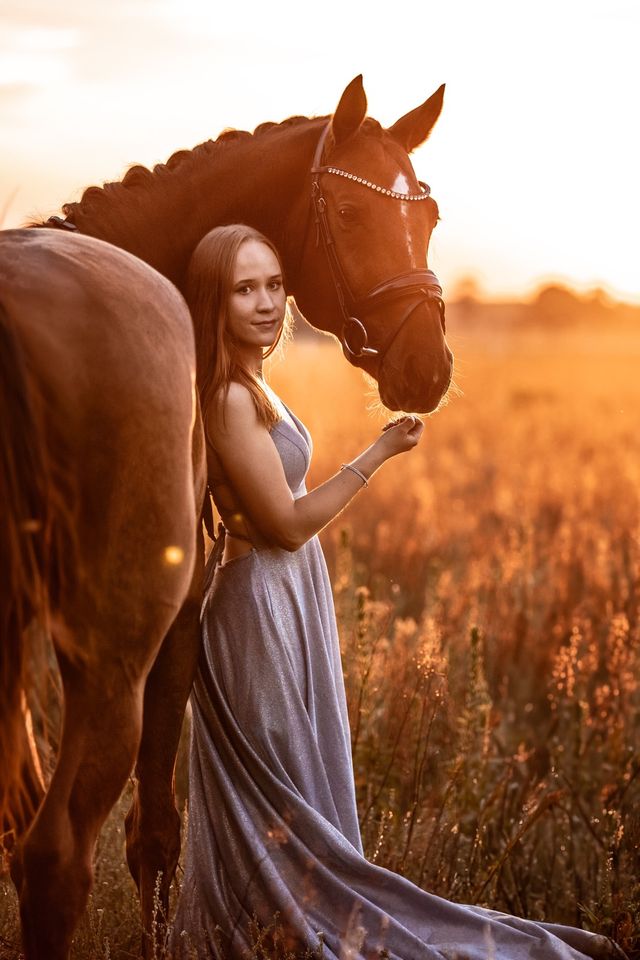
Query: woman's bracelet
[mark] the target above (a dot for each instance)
(359, 473)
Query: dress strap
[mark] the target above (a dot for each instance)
(215, 557)
(207, 513)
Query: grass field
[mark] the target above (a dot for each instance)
(487, 586)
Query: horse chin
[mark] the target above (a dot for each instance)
(413, 388)
(411, 403)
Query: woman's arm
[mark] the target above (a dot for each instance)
(252, 463)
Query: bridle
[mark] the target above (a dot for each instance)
(416, 286)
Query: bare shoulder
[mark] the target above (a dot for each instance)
(233, 411)
(238, 398)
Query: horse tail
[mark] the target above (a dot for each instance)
(25, 530)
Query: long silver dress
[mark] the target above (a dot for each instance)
(273, 826)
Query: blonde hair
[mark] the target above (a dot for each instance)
(209, 283)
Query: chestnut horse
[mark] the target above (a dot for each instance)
(101, 484)
(105, 448)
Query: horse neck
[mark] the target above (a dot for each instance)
(260, 181)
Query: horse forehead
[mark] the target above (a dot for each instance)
(380, 156)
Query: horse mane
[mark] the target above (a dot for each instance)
(141, 179)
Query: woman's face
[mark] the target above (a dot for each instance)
(255, 310)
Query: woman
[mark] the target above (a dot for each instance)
(273, 827)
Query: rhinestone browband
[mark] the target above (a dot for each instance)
(374, 186)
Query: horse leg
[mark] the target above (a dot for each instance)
(101, 732)
(152, 823)
(25, 807)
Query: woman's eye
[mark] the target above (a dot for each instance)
(275, 284)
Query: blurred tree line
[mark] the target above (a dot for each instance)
(553, 306)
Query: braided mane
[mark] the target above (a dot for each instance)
(141, 178)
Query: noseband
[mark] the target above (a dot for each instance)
(415, 286)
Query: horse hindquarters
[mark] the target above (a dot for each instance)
(109, 352)
(25, 530)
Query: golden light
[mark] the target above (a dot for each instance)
(173, 556)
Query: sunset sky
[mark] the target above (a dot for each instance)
(535, 161)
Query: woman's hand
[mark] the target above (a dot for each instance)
(400, 434)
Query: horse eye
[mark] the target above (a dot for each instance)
(346, 213)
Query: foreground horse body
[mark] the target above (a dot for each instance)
(105, 477)
(108, 359)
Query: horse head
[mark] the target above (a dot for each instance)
(363, 273)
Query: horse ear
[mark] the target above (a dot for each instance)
(350, 112)
(414, 128)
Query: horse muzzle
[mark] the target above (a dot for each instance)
(411, 362)
(416, 370)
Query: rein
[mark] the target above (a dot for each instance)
(419, 285)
